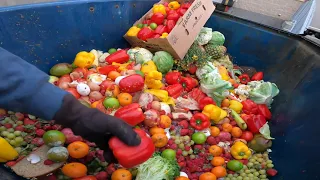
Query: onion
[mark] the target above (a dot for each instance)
(93, 86)
(64, 85)
(156, 105)
(152, 118)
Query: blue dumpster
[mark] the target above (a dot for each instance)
(46, 34)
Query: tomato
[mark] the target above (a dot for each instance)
(81, 70)
(199, 137)
(87, 178)
(247, 135)
(107, 84)
(74, 92)
(169, 154)
(65, 78)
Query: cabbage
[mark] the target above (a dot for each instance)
(158, 168)
(265, 131)
(263, 92)
(217, 38)
(204, 36)
(140, 55)
(163, 61)
(209, 68)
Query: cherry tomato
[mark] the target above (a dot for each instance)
(247, 135)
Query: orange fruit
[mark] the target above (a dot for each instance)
(159, 140)
(215, 150)
(182, 178)
(218, 161)
(78, 149)
(226, 127)
(225, 103)
(121, 174)
(74, 170)
(94, 104)
(207, 176)
(219, 171)
(113, 75)
(86, 178)
(125, 99)
(214, 131)
(156, 130)
(165, 121)
(236, 132)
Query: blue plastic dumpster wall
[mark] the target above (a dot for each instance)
(46, 34)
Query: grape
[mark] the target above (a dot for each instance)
(19, 122)
(269, 162)
(177, 141)
(234, 178)
(256, 174)
(18, 149)
(262, 171)
(256, 163)
(11, 136)
(4, 133)
(259, 155)
(260, 160)
(250, 164)
(17, 133)
(184, 153)
(239, 177)
(192, 142)
(24, 143)
(227, 178)
(252, 160)
(186, 138)
(270, 165)
(192, 156)
(19, 139)
(263, 176)
(31, 117)
(173, 137)
(255, 178)
(265, 155)
(181, 146)
(190, 151)
(243, 174)
(11, 130)
(2, 128)
(7, 119)
(11, 122)
(245, 167)
(230, 175)
(10, 112)
(247, 171)
(235, 175)
(250, 175)
(246, 178)
(13, 142)
(253, 170)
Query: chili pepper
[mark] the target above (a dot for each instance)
(196, 94)
(148, 66)
(161, 29)
(205, 101)
(185, 5)
(130, 156)
(244, 78)
(159, 8)
(120, 56)
(254, 122)
(132, 114)
(249, 107)
(173, 16)
(199, 121)
(84, 59)
(173, 77)
(7, 153)
(108, 68)
(257, 77)
(192, 69)
(264, 111)
(145, 33)
(174, 5)
(235, 105)
(133, 31)
(153, 80)
(170, 25)
(240, 122)
(181, 11)
(188, 83)
(157, 18)
(239, 150)
(132, 83)
(164, 35)
(214, 112)
(174, 90)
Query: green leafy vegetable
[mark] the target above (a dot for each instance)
(140, 55)
(265, 131)
(204, 36)
(217, 38)
(263, 92)
(163, 61)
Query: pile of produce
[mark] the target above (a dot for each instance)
(201, 117)
(160, 22)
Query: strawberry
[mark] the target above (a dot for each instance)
(37, 141)
(100, 156)
(51, 122)
(110, 169)
(48, 162)
(198, 146)
(28, 139)
(184, 132)
(182, 164)
(90, 156)
(29, 128)
(179, 152)
(40, 132)
(56, 127)
(28, 121)
(211, 140)
(38, 125)
(173, 146)
(172, 127)
(8, 125)
(51, 177)
(170, 141)
(272, 172)
(19, 116)
(46, 127)
(187, 148)
(184, 124)
(11, 163)
(102, 175)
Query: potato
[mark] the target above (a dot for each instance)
(93, 86)
(95, 95)
(156, 105)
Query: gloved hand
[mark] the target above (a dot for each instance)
(94, 126)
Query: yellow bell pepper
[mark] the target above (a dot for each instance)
(235, 105)
(84, 59)
(174, 5)
(153, 80)
(159, 8)
(239, 150)
(164, 35)
(148, 66)
(214, 112)
(162, 95)
(7, 152)
(223, 73)
(122, 67)
(133, 31)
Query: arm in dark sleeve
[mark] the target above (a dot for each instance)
(24, 88)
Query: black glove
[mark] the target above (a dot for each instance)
(94, 126)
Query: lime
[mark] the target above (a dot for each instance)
(112, 50)
(234, 165)
(111, 103)
(58, 154)
(169, 154)
(54, 138)
(153, 26)
(199, 137)
(139, 25)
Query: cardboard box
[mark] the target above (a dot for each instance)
(183, 34)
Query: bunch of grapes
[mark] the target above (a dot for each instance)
(183, 144)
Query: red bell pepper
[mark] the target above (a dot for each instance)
(132, 83)
(170, 25)
(249, 107)
(264, 111)
(132, 114)
(244, 78)
(181, 11)
(130, 156)
(108, 68)
(188, 83)
(145, 33)
(174, 90)
(257, 77)
(196, 94)
(156, 36)
(254, 122)
(173, 77)
(166, 4)
(173, 16)
(200, 121)
(192, 69)
(205, 101)
(185, 5)
(161, 29)
(120, 56)
(157, 18)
